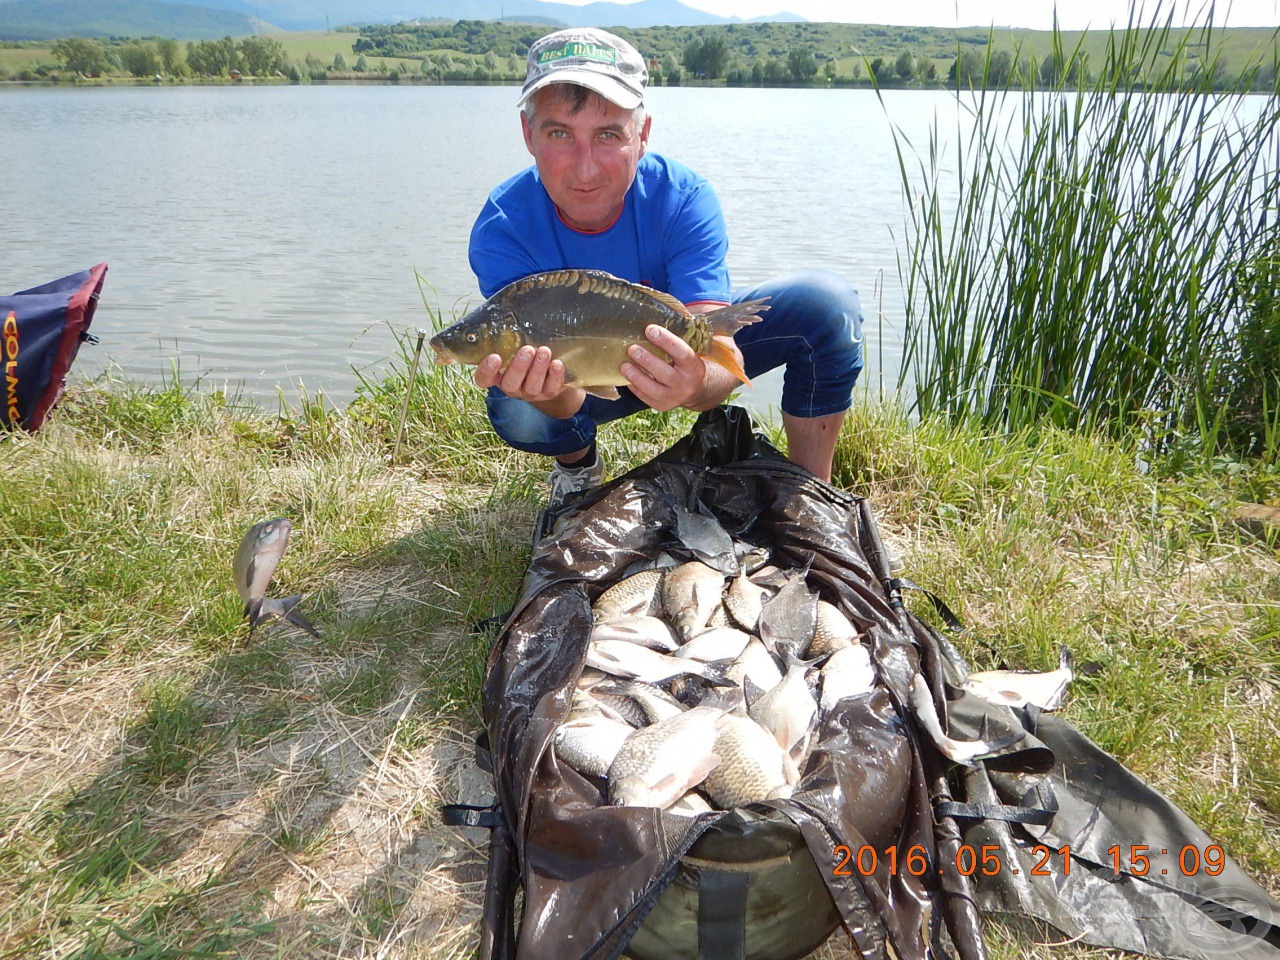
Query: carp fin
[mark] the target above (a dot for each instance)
(720, 352)
(603, 392)
(727, 321)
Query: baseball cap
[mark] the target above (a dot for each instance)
(593, 58)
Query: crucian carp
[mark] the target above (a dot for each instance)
(588, 318)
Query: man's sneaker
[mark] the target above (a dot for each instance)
(566, 481)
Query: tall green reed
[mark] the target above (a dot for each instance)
(1072, 255)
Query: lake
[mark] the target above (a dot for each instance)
(266, 239)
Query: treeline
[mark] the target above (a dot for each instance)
(810, 53)
(252, 56)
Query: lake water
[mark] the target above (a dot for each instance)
(263, 238)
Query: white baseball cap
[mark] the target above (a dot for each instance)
(593, 58)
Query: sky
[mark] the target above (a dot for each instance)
(1035, 14)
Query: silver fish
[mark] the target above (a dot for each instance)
(847, 673)
(589, 742)
(654, 703)
(634, 596)
(718, 643)
(958, 751)
(744, 601)
(692, 804)
(658, 765)
(650, 632)
(832, 631)
(690, 593)
(752, 768)
(757, 665)
(623, 659)
(255, 562)
(787, 711)
(1017, 688)
(788, 619)
(705, 538)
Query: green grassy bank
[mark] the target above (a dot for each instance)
(171, 787)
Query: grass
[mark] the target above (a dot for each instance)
(1077, 260)
(171, 787)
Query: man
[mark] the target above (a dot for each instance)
(595, 199)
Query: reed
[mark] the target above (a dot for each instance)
(1073, 256)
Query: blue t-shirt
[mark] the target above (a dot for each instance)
(669, 236)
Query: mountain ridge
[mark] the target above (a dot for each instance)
(52, 19)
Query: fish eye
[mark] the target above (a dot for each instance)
(471, 338)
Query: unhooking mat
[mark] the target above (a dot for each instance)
(882, 836)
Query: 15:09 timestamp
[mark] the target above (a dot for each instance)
(986, 860)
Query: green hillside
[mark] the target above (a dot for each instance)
(56, 19)
(736, 54)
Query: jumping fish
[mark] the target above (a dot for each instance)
(255, 563)
(588, 318)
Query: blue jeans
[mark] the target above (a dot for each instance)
(813, 327)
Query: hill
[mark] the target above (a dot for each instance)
(320, 14)
(53, 19)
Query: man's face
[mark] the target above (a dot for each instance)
(587, 159)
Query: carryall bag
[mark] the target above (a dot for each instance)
(770, 881)
(42, 331)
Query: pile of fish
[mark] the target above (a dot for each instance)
(707, 678)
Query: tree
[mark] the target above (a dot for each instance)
(170, 53)
(1000, 68)
(671, 70)
(801, 63)
(904, 66)
(140, 59)
(829, 71)
(966, 69)
(362, 64)
(707, 57)
(212, 58)
(775, 71)
(80, 55)
(262, 56)
(339, 63)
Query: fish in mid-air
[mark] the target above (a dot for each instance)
(588, 318)
(255, 563)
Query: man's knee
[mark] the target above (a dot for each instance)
(524, 427)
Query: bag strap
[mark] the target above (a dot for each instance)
(722, 914)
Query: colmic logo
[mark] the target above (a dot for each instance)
(11, 347)
(588, 51)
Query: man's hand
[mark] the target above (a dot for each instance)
(534, 377)
(687, 380)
